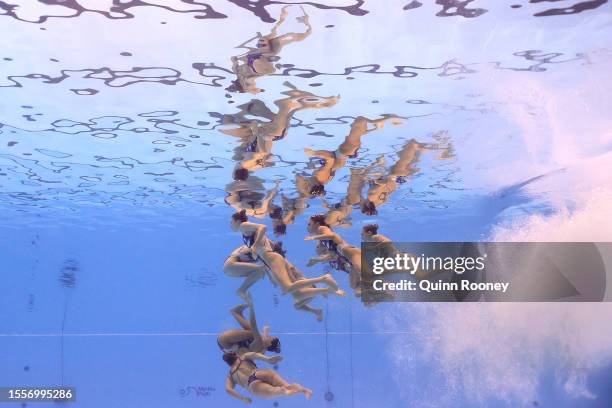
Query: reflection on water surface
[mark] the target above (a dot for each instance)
(163, 165)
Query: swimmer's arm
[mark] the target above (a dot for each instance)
(308, 31)
(324, 154)
(244, 44)
(323, 258)
(289, 217)
(304, 19)
(258, 229)
(281, 20)
(260, 233)
(252, 356)
(325, 235)
(229, 387)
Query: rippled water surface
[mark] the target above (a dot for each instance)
(131, 131)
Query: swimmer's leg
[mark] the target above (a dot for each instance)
(265, 390)
(317, 312)
(354, 277)
(275, 380)
(239, 269)
(237, 313)
(250, 281)
(309, 293)
(271, 377)
(305, 283)
(407, 160)
(229, 337)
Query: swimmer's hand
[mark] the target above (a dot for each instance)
(314, 261)
(275, 359)
(309, 238)
(246, 400)
(309, 151)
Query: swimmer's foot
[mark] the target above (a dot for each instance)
(330, 281)
(243, 295)
(240, 308)
(294, 388)
(319, 313)
(340, 293)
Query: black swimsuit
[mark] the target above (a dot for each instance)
(252, 147)
(248, 240)
(251, 59)
(330, 245)
(344, 263)
(252, 376)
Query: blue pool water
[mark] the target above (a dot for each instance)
(116, 165)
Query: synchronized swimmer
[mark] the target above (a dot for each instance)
(257, 128)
